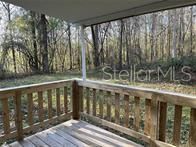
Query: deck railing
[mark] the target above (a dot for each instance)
(140, 113)
(27, 109)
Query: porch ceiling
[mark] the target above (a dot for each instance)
(88, 12)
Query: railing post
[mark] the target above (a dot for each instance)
(75, 100)
(19, 123)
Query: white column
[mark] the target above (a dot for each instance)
(83, 47)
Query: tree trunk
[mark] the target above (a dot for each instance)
(191, 32)
(127, 43)
(44, 43)
(121, 43)
(146, 39)
(153, 41)
(181, 33)
(33, 32)
(169, 35)
(174, 34)
(95, 37)
(70, 46)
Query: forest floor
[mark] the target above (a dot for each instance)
(94, 75)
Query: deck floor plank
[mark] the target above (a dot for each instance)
(26, 143)
(94, 137)
(86, 139)
(48, 139)
(69, 137)
(75, 134)
(15, 144)
(36, 141)
(60, 139)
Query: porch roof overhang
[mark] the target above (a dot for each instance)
(89, 12)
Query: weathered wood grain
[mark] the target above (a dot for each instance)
(177, 125)
(126, 109)
(162, 121)
(30, 108)
(5, 112)
(147, 124)
(117, 108)
(40, 106)
(192, 135)
(19, 115)
(137, 114)
(75, 100)
(49, 94)
(94, 102)
(108, 98)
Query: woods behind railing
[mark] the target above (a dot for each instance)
(137, 112)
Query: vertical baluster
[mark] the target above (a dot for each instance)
(108, 105)
(75, 100)
(192, 134)
(177, 125)
(101, 103)
(126, 109)
(94, 102)
(30, 109)
(154, 120)
(65, 100)
(81, 99)
(5, 112)
(117, 108)
(137, 114)
(162, 121)
(49, 93)
(58, 105)
(87, 100)
(147, 117)
(19, 122)
(40, 106)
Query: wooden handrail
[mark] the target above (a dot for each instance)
(164, 96)
(8, 92)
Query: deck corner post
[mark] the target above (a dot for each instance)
(18, 119)
(75, 100)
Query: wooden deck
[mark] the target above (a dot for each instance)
(74, 133)
(85, 98)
